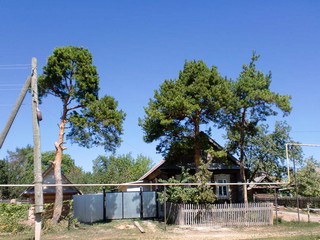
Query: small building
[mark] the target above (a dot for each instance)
(262, 191)
(49, 192)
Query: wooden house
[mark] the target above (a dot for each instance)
(224, 170)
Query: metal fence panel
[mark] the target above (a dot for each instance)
(149, 204)
(119, 205)
(88, 208)
(132, 204)
(114, 205)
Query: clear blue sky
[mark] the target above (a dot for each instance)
(136, 45)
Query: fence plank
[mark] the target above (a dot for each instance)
(251, 214)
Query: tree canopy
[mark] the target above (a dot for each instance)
(120, 168)
(266, 152)
(178, 109)
(71, 76)
(308, 178)
(251, 104)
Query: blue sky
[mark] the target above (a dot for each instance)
(136, 45)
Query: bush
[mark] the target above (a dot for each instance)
(11, 216)
(201, 194)
(66, 221)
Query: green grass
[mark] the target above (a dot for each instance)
(293, 238)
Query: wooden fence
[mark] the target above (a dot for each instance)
(288, 201)
(251, 214)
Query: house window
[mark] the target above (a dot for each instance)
(222, 191)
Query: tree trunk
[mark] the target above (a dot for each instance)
(57, 174)
(242, 165)
(197, 150)
(243, 179)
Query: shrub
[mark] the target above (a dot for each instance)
(11, 216)
(182, 194)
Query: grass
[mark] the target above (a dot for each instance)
(125, 230)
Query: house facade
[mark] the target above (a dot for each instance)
(224, 170)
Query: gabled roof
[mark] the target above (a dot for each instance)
(220, 148)
(48, 178)
(188, 162)
(263, 177)
(153, 169)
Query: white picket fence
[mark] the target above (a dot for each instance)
(251, 214)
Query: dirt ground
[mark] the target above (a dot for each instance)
(292, 215)
(158, 231)
(126, 229)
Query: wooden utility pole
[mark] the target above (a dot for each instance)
(38, 192)
(15, 110)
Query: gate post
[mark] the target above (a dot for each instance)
(104, 205)
(141, 203)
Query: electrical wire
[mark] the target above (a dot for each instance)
(14, 66)
(11, 85)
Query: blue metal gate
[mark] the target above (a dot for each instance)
(117, 205)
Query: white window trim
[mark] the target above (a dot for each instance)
(226, 178)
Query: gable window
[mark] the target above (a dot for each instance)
(222, 191)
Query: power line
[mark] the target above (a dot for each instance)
(10, 89)
(11, 85)
(15, 65)
(307, 131)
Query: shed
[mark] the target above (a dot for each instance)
(49, 192)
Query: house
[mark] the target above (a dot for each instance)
(224, 170)
(49, 192)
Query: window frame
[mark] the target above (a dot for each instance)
(222, 178)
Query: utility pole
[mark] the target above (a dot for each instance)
(15, 110)
(38, 191)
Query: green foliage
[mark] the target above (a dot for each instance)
(100, 124)
(78, 175)
(67, 164)
(178, 194)
(251, 104)
(17, 168)
(120, 169)
(4, 191)
(187, 194)
(85, 118)
(181, 106)
(11, 216)
(308, 179)
(71, 76)
(205, 193)
(266, 150)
